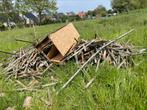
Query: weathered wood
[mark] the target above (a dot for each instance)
(84, 46)
(33, 61)
(78, 71)
(90, 82)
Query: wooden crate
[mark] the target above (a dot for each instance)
(62, 40)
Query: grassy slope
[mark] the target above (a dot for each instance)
(113, 89)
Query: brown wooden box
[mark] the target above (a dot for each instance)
(62, 41)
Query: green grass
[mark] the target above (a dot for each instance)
(124, 89)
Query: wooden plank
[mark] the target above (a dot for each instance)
(65, 38)
(57, 58)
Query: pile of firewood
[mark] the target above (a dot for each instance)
(63, 46)
(116, 54)
(30, 62)
(27, 62)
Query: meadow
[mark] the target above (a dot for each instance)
(113, 89)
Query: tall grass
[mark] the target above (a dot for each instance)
(124, 89)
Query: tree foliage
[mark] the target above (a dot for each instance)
(100, 11)
(20, 6)
(40, 6)
(6, 8)
(37, 6)
(126, 5)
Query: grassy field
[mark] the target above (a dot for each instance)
(124, 89)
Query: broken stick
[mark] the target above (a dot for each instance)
(78, 71)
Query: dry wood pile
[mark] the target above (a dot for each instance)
(27, 62)
(62, 46)
(116, 54)
(30, 62)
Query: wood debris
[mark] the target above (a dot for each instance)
(27, 102)
(2, 94)
(100, 49)
(115, 53)
(30, 62)
(26, 63)
(10, 108)
(34, 61)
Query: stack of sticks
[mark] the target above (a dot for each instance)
(118, 55)
(26, 63)
(30, 62)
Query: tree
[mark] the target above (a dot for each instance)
(100, 11)
(120, 5)
(135, 4)
(40, 6)
(90, 13)
(143, 3)
(20, 6)
(6, 8)
(127, 5)
(110, 11)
